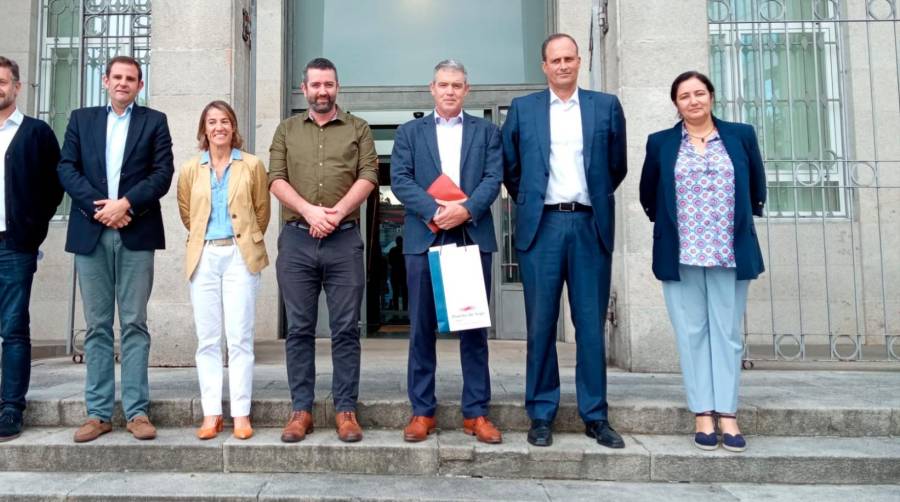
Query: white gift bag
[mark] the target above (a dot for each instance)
(457, 281)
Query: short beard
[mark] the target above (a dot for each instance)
(321, 107)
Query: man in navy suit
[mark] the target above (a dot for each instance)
(564, 156)
(116, 164)
(29, 194)
(468, 150)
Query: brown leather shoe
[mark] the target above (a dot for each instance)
(91, 430)
(242, 427)
(299, 425)
(210, 430)
(348, 428)
(483, 429)
(418, 429)
(141, 428)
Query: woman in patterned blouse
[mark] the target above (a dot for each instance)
(701, 183)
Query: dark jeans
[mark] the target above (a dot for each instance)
(304, 267)
(16, 275)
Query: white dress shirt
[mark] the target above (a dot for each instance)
(7, 132)
(567, 182)
(116, 134)
(449, 140)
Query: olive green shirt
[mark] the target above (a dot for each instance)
(322, 162)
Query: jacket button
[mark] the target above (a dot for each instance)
(233, 216)
(238, 236)
(547, 174)
(542, 196)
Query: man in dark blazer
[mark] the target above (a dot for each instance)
(468, 150)
(29, 194)
(116, 164)
(564, 156)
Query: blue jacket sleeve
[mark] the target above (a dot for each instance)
(618, 147)
(757, 172)
(512, 167)
(71, 168)
(403, 178)
(649, 180)
(485, 193)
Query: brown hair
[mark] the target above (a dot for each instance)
(125, 60)
(236, 140)
(555, 36)
(12, 65)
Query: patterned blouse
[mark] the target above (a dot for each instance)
(704, 189)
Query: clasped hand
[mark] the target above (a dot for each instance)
(451, 214)
(323, 221)
(113, 213)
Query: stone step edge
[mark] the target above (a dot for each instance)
(640, 418)
(165, 486)
(573, 456)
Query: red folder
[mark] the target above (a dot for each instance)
(444, 188)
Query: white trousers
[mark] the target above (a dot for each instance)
(223, 293)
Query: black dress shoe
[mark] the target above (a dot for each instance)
(604, 434)
(10, 424)
(540, 434)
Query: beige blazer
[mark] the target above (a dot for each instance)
(248, 203)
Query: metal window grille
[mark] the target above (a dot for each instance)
(77, 38)
(820, 81)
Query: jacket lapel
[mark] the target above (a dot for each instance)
(668, 158)
(135, 127)
(234, 178)
(430, 132)
(98, 128)
(468, 134)
(586, 103)
(542, 124)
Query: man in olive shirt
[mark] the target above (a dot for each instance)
(323, 165)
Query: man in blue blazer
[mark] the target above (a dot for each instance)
(468, 150)
(29, 194)
(116, 164)
(564, 155)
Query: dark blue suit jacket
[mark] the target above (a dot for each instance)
(147, 170)
(658, 197)
(32, 190)
(526, 152)
(416, 163)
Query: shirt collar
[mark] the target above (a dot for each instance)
(15, 118)
(341, 116)
(235, 155)
(109, 109)
(572, 99)
(438, 120)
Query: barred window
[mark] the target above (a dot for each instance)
(77, 38)
(777, 65)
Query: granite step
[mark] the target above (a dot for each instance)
(646, 458)
(238, 487)
(815, 416)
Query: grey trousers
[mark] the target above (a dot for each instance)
(305, 266)
(113, 274)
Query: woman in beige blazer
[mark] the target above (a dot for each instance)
(223, 199)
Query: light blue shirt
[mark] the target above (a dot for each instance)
(116, 134)
(219, 225)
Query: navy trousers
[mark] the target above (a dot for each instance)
(473, 346)
(16, 275)
(567, 249)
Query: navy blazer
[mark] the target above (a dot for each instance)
(526, 153)
(416, 163)
(147, 170)
(31, 190)
(658, 197)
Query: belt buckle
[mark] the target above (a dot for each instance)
(567, 207)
